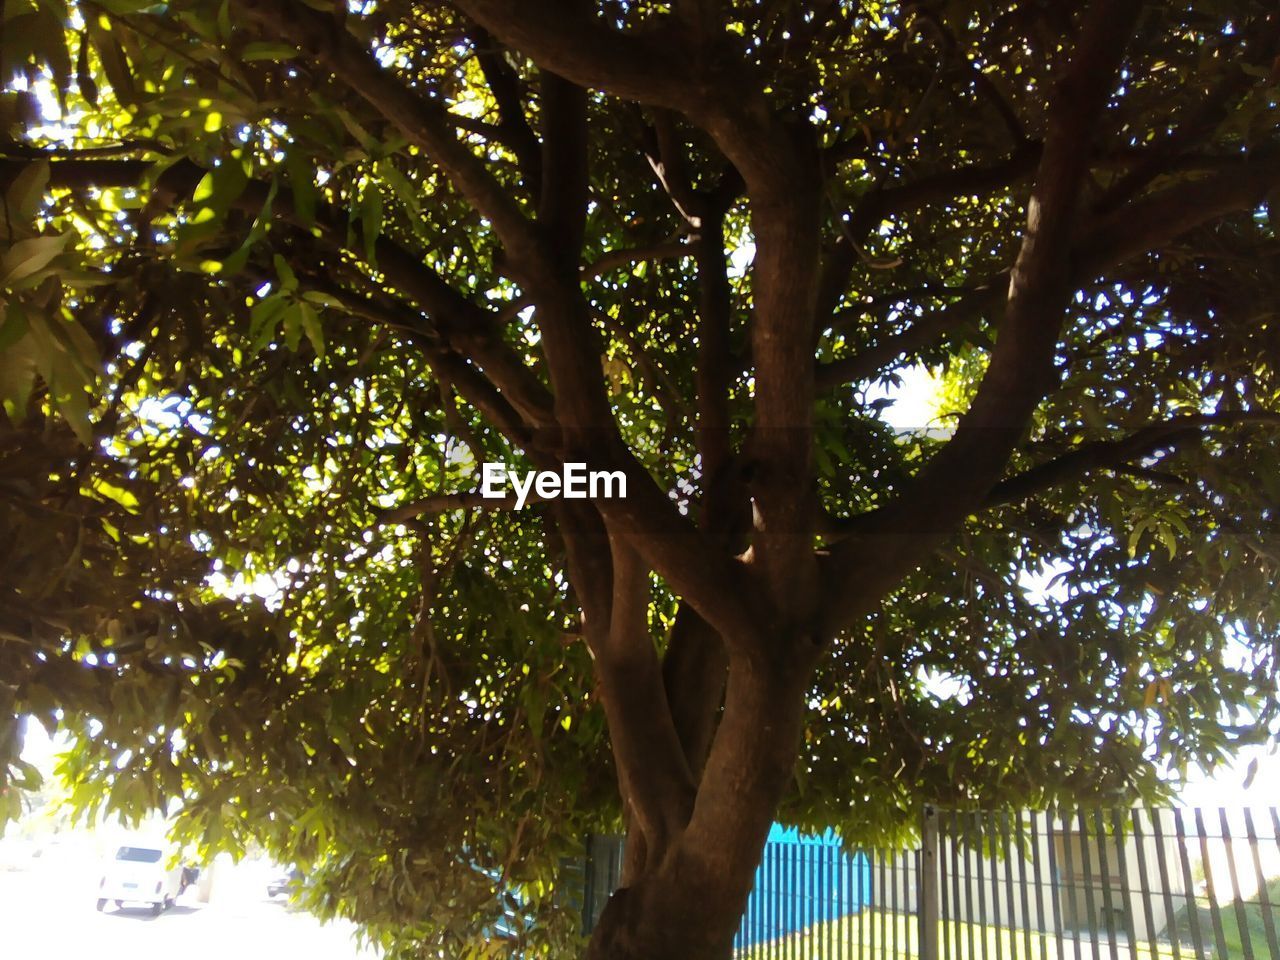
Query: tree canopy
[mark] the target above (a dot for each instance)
(279, 276)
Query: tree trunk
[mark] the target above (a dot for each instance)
(668, 917)
(689, 896)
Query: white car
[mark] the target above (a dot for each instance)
(140, 875)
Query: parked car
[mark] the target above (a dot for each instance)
(140, 874)
(285, 883)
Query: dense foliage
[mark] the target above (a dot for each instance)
(269, 299)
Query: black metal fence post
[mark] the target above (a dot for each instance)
(927, 886)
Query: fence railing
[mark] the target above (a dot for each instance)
(1084, 884)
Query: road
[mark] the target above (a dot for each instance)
(42, 918)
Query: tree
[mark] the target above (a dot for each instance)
(281, 276)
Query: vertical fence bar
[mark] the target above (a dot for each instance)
(1193, 917)
(1145, 894)
(958, 914)
(1215, 915)
(988, 827)
(833, 874)
(1011, 910)
(1171, 916)
(876, 897)
(1275, 826)
(1242, 919)
(1104, 881)
(945, 909)
(911, 888)
(907, 860)
(1055, 888)
(980, 921)
(761, 898)
(843, 931)
(1264, 897)
(890, 918)
(1086, 865)
(1119, 828)
(785, 895)
(809, 863)
(863, 866)
(1037, 875)
(896, 870)
(1068, 855)
(787, 917)
(588, 892)
(955, 854)
(1020, 845)
(783, 902)
(882, 900)
(960, 880)
(795, 898)
(762, 903)
(774, 924)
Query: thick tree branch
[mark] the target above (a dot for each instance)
(780, 166)
(843, 255)
(626, 256)
(1118, 455)
(504, 84)
(1136, 228)
(1107, 454)
(869, 361)
(465, 326)
(562, 207)
(960, 475)
(694, 669)
(1261, 38)
(422, 121)
(642, 67)
(1144, 223)
(654, 775)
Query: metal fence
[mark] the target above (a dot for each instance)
(1086, 884)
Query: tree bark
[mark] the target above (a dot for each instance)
(687, 899)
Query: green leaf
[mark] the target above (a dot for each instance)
(370, 220)
(263, 320)
(400, 186)
(84, 77)
(302, 183)
(17, 376)
(268, 50)
(311, 326)
(27, 191)
(115, 65)
(79, 346)
(28, 257)
(322, 299)
(261, 224)
(292, 320)
(288, 279)
(13, 327)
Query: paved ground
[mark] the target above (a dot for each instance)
(41, 918)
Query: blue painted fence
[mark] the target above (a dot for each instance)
(801, 881)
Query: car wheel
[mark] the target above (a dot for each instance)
(157, 908)
(119, 904)
(102, 905)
